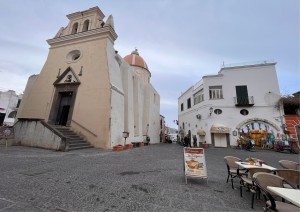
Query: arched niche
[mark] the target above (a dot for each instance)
(74, 28)
(86, 25)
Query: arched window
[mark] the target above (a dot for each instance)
(86, 25)
(74, 28)
(12, 114)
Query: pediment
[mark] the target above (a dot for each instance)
(67, 77)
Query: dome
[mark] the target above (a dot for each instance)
(135, 59)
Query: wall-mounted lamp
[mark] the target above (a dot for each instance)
(80, 72)
(210, 110)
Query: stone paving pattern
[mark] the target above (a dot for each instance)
(149, 178)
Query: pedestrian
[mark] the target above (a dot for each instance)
(185, 141)
(194, 140)
(189, 141)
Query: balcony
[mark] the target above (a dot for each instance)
(244, 101)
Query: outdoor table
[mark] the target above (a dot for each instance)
(246, 165)
(291, 195)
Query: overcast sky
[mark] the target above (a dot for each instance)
(180, 40)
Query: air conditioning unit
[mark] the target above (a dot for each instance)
(198, 116)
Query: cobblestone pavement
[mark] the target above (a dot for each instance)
(148, 178)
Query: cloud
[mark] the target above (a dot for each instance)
(181, 41)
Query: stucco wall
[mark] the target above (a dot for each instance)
(153, 114)
(35, 134)
(116, 99)
(262, 84)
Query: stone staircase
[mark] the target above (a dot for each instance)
(75, 141)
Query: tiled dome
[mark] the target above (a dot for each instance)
(135, 59)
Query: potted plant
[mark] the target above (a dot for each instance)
(128, 146)
(251, 161)
(118, 147)
(205, 145)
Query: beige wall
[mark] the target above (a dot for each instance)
(93, 92)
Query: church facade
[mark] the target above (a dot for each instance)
(87, 86)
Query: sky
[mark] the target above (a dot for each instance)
(181, 41)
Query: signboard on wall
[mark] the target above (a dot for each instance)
(194, 163)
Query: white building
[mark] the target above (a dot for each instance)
(241, 100)
(9, 104)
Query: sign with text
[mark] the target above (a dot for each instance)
(194, 162)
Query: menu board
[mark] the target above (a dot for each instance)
(194, 162)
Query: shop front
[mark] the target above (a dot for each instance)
(220, 135)
(259, 133)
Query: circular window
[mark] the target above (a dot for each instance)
(218, 111)
(73, 56)
(244, 112)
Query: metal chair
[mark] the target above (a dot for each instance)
(248, 182)
(287, 164)
(262, 180)
(232, 168)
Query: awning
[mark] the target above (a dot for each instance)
(201, 132)
(219, 128)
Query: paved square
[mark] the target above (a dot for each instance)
(148, 178)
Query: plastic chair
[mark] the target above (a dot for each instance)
(232, 168)
(262, 180)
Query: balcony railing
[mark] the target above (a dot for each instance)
(244, 101)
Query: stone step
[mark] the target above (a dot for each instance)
(75, 141)
(81, 147)
(78, 145)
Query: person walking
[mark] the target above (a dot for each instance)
(194, 141)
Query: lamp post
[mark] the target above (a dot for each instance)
(125, 135)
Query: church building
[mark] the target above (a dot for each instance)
(87, 89)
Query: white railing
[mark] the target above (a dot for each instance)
(247, 63)
(247, 100)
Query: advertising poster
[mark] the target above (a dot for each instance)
(194, 162)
